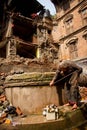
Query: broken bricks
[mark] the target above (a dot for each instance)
(6, 108)
(2, 98)
(18, 111)
(3, 117)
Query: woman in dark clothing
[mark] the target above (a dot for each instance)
(69, 72)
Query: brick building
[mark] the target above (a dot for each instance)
(70, 29)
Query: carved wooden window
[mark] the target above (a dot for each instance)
(68, 21)
(73, 50)
(83, 12)
(84, 16)
(69, 26)
(72, 47)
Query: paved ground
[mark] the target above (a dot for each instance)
(39, 122)
(29, 119)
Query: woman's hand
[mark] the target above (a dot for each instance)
(51, 83)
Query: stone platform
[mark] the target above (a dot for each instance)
(68, 120)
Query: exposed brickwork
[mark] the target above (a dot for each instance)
(60, 34)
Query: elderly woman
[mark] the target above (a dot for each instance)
(68, 71)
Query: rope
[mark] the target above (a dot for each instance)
(63, 78)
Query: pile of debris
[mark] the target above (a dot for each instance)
(7, 110)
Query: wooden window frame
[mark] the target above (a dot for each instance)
(83, 12)
(72, 46)
(69, 20)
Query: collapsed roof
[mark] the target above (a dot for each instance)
(25, 7)
(23, 26)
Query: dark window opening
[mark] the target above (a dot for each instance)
(23, 33)
(26, 51)
(3, 52)
(24, 28)
(49, 31)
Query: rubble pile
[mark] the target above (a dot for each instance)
(7, 110)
